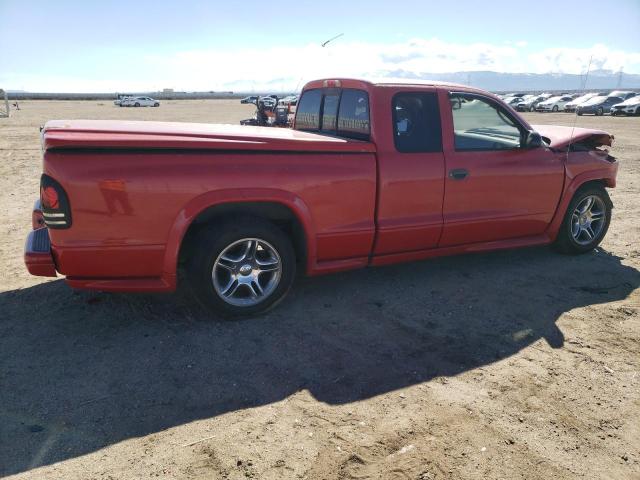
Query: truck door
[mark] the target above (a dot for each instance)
(410, 170)
(496, 188)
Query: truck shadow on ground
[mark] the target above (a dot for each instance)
(81, 371)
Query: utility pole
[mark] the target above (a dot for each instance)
(4, 99)
(619, 79)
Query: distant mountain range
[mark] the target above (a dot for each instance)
(487, 80)
(503, 82)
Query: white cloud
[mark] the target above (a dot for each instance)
(286, 67)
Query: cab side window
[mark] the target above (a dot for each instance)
(481, 124)
(416, 122)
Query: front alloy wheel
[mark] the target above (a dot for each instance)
(586, 221)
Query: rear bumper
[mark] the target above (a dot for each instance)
(37, 254)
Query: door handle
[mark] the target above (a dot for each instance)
(458, 173)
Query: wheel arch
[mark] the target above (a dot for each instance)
(597, 178)
(283, 208)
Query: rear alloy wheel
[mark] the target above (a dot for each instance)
(532, 108)
(136, 104)
(555, 108)
(242, 268)
(599, 111)
(586, 221)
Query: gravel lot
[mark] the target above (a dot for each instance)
(519, 364)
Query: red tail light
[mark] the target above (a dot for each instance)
(49, 198)
(54, 202)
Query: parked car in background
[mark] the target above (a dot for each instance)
(119, 101)
(249, 99)
(345, 190)
(623, 94)
(553, 104)
(513, 101)
(140, 102)
(597, 105)
(529, 104)
(571, 106)
(631, 106)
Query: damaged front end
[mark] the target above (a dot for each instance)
(570, 139)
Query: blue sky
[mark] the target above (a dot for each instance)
(198, 45)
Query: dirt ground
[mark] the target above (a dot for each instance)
(519, 364)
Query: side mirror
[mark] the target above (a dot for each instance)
(532, 140)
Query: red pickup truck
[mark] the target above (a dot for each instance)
(371, 174)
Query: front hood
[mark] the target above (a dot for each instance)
(561, 137)
(102, 134)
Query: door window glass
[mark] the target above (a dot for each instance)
(480, 124)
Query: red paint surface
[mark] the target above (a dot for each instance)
(136, 187)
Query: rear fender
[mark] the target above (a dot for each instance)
(196, 206)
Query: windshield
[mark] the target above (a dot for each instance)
(583, 98)
(595, 100)
(633, 100)
(554, 99)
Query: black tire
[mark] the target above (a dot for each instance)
(156, 104)
(599, 111)
(565, 242)
(579, 113)
(214, 239)
(555, 108)
(532, 108)
(136, 104)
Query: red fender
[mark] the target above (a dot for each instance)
(574, 183)
(196, 206)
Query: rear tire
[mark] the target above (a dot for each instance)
(136, 104)
(585, 222)
(555, 108)
(599, 112)
(241, 268)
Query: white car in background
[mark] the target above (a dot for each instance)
(571, 106)
(139, 102)
(118, 102)
(631, 106)
(554, 104)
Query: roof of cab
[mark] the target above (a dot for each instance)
(368, 83)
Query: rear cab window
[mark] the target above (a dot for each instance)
(341, 112)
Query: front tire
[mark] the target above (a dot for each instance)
(599, 112)
(136, 104)
(555, 108)
(241, 268)
(586, 221)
